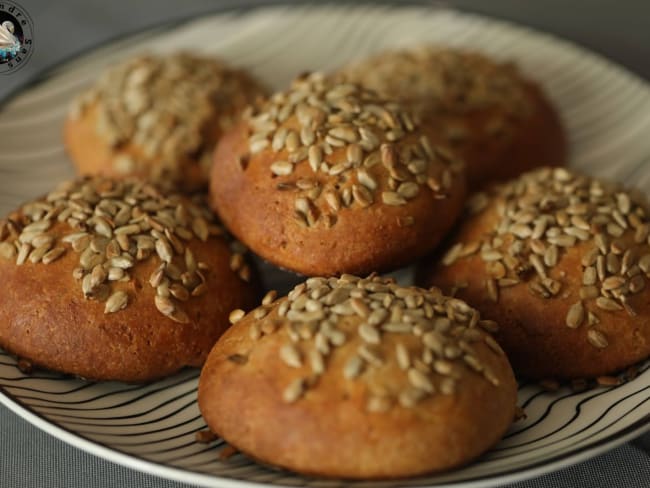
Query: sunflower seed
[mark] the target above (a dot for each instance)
(575, 315)
(607, 304)
(290, 356)
(420, 380)
(236, 315)
(597, 339)
(294, 391)
(117, 301)
(392, 198)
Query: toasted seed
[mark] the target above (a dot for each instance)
(23, 252)
(589, 276)
(589, 258)
(410, 397)
(316, 362)
(608, 304)
(294, 390)
(370, 355)
(255, 331)
(315, 155)
(369, 334)
(117, 301)
(236, 315)
(452, 254)
(443, 367)
(408, 190)
(592, 319)
(124, 261)
(377, 403)
(282, 168)
(613, 282)
(473, 362)
(597, 339)
(360, 308)
(116, 274)
(491, 255)
(179, 292)
(260, 313)
(392, 198)
(551, 256)
(53, 255)
(128, 229)
(163, 304)
(200, 228)
(402, 356)
(644, 263)
(353, 367)
(538, 265)
(365, 179)
(575, 315)
(420, 380)
(636, 284)
(362, 195)
(489, 325)
(290, 356)
(270, 297)
(589, 292)
(164, 250)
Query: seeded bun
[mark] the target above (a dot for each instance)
(500, 122)
(157, 118)
(154, 297)
(328, 178)
(561, 262)
(358, 378)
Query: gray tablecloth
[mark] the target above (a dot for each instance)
(619, 30)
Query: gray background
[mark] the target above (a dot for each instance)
(618, 30)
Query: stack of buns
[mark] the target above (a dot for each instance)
(426, 154)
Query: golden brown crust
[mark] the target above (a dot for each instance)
(330, 431)
(91, 154)
(533, 330)
(111, 138)
(498, 121)
(45, 318)
(354, 238)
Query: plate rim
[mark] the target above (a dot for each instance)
(133, 461)
(247, 6)
(179, 474)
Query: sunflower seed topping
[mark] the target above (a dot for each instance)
(427, 337)
(111, 226)
(164, 105)
(359, 146)
(294, 390)
(575, 315)
(597, 339)
(117, 301)
(447, 80)
(566, 210)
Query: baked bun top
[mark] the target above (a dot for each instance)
(112, 279)
(434, 79)
(352, 366)
(334, 161)
(158, 117)
(499, 121)
(573, 251)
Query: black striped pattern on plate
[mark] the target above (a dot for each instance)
(151, 427)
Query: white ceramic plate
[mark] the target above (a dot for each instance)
(151, 428)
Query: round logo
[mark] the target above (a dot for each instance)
(16, 39)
